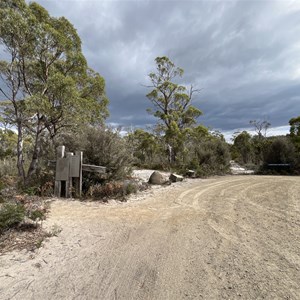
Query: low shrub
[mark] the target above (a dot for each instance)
(40, 185)
(36, 211)
(8, 167)
(101, 146)
(7, 181)
(108, 190)
(115, 189)
(23, 210)
(11, 215)
(31, 190)
(130, 188)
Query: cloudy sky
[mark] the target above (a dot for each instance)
(244, 55)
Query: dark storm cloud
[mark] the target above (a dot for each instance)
(243, 54)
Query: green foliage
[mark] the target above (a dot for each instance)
(8, 167)
(11, 215)
(39, 243)
(130, 188)
(249, 150)
(24, 209)
(172, 104)
(295, 126)
(147, 149)
(295, 132)
(37, 215)
(113, 189)
(106, 147)
(242, 149)
(260, 151)
(102, 146)
(8, 143)
(50, 87)
(31, 190)
(41, 184)
(280, 151)
(206, 153)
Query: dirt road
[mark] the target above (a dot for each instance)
(235, 237)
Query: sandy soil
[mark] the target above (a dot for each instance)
(233, 237)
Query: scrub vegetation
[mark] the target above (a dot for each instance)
(269, 155)
(50, 96)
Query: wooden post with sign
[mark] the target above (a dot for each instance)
(68, 173)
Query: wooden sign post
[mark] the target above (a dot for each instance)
(68, 173)
(68, 170)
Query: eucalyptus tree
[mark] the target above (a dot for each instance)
(172, 103)
(295, 132)
(243, 147)
(295, 126)
(261, 127)
(13, 35)
(146, 148)
(48, 84)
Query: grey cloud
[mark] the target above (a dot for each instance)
(244, 54)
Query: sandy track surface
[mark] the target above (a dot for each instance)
(235, 237)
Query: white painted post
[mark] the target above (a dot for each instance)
(60, 153)
(78, 180)
(69, 181)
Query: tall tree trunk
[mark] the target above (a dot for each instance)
(35, 155)
(20, 158)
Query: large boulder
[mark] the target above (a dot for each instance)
(175, 177)
(158, 178)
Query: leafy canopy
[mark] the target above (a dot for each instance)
(172, 106)
(172, 102)
(48, 68)
(49, 88)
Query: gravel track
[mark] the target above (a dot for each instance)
(233, 237)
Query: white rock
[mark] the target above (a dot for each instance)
(175, 177)
(158, 178)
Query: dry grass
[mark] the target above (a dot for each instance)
(26, 236)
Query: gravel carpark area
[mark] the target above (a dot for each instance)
(230, 237)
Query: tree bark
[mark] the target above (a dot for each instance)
(36, 154)
(20, 158)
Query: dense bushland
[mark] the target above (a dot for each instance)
(202, 151)
(269, 155)
(46, 85)
(52, 97)
(102, 146)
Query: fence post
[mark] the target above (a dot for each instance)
(69, 185)
(78, 180)
(60, 153)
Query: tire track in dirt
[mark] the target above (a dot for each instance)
(230, 231)
(234, 237)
